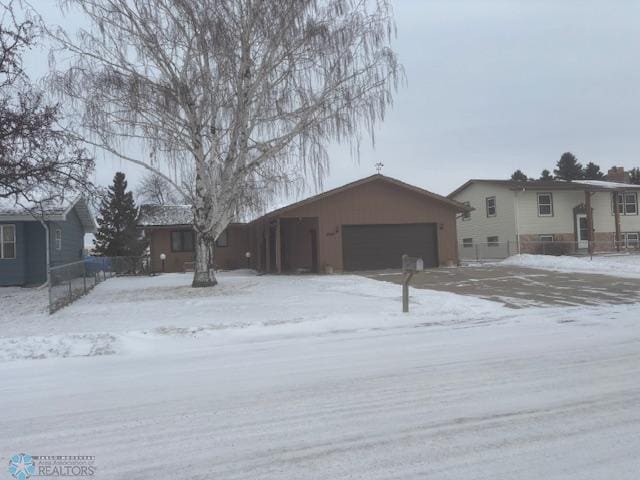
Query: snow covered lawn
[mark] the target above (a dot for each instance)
(322, 377)
(624, 265)
(130, 313)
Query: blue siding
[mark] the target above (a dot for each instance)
(36, 259)
(30, 265)
(72, 240)
(12, 272)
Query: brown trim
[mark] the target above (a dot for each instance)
(181, 232)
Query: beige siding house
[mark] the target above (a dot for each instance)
(511, 217)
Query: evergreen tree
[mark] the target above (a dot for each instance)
(592, 172)
(117, 235)
(518, 176)
(546, 175)
(634, 176)
(568, 168)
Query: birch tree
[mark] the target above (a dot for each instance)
(239, 96)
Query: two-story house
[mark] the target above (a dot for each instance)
(525, 217)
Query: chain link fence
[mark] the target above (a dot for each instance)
(486, 252)
(494, 251)
(71, 281)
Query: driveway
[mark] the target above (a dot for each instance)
(519, 287)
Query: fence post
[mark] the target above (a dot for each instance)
(70, 292)
(477, 253)
(508, 248)
(84, 277)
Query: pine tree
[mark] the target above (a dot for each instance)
(546, 175)
(592, 172)
(519, 176)
(634, 176)
(117, 235)
(568, 168)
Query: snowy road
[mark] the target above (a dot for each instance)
(524, 398)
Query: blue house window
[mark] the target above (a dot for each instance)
(7, 242)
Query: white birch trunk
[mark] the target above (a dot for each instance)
(203, 275)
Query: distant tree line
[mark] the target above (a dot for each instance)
(568, 168)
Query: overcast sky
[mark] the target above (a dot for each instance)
(493, 85)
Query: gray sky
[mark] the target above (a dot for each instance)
(493, 85)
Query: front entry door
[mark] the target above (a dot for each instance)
(583, 231)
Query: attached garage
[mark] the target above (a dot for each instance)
(365, 225)
(376, 247)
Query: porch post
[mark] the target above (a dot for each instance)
(278, 247)
(587, 203)
(616, 215)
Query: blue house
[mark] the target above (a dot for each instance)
(30, 242)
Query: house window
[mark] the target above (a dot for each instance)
(58, 239)
(627, 203)
(491, 206)
(631, 240)
(223, 239)
(467, 242)
(492, 242)
(182, 241)
(7, 242)
(545, 205)
(546, 238)
(466, 215)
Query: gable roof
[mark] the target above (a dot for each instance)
(582, 185)
(375, 177)
(180, 215)
(50, 210)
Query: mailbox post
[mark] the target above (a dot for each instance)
(410, 265)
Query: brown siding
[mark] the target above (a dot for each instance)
(376, 202)
(161, 243)
(226, 258)
(232, 256)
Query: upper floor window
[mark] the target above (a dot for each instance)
(491, 206)
(545, 205)
(58, 239)
(223, 239)
(182, 241)
(7, 242)
(627, 203)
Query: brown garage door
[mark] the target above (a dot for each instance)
(374, 247)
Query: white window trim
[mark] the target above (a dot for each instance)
(57, 238)
(623, 204)
(467, 244)
(495, 206)
(492, 243)
(625, 237)
(550, 204)
(14, 242)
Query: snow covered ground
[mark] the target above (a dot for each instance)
(321, 377)
(130, 313)
(623, 265)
